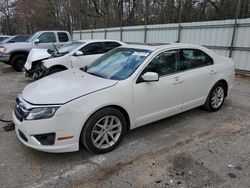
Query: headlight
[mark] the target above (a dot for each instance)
(3, 49)
(42, 113)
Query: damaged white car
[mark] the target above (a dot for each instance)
(42, 62)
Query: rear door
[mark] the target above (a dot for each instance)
(91, 52)
(197, 72)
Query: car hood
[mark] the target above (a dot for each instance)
(35, 55)
(63, 87)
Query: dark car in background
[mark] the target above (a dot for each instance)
(4, 37)
(16, 38)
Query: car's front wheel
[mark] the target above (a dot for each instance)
(216, 97)
(18, 62)
(104, 130)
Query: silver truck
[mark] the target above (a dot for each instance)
(15, 54)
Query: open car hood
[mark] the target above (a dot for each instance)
(36, 55)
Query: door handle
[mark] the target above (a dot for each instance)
(212, 72)
(177, 80)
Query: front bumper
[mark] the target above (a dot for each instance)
(5, 57)
(62, 126)
(37, 71)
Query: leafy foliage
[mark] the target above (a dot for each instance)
(28, 16)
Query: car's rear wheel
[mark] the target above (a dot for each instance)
(104, 130)
(18, 62)
(216, 97)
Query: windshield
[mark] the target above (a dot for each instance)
(33, 37)
(118, 64)
(69, 47)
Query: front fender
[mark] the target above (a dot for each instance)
(57, 61)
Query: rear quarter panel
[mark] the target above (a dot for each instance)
(225, 70)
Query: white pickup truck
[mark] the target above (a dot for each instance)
(15, 54)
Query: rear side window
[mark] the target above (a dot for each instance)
(193, 58)
(63, 37)
(47, 37)
(93, 48)
(110, 45)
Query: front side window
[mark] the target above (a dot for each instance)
(193, 58)
(48, 37)
(118, 64)
(164, 63)
(70, 47)
(93, 48)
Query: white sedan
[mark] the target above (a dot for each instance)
(126, 88)
(80, 53)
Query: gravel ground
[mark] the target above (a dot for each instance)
(192, 149)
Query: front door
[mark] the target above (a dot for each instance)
(163, 98)
(46, 40)
(91, 52)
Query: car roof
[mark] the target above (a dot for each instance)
(98, 40)
(52, 31)
(21, 35)
(145, 47)
(162, 46)
(151, 47)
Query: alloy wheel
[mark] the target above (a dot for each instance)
(106, 132)
(217, 97)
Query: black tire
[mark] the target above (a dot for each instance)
(86, 135)
(18, 62)
(54, 70)
(208, 105)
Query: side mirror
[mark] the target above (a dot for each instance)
(78, 53)
(150, 77)
(36, 41)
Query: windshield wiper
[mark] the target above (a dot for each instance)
(95, 74)
(85, 69)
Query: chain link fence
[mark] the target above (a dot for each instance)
(221, 25)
